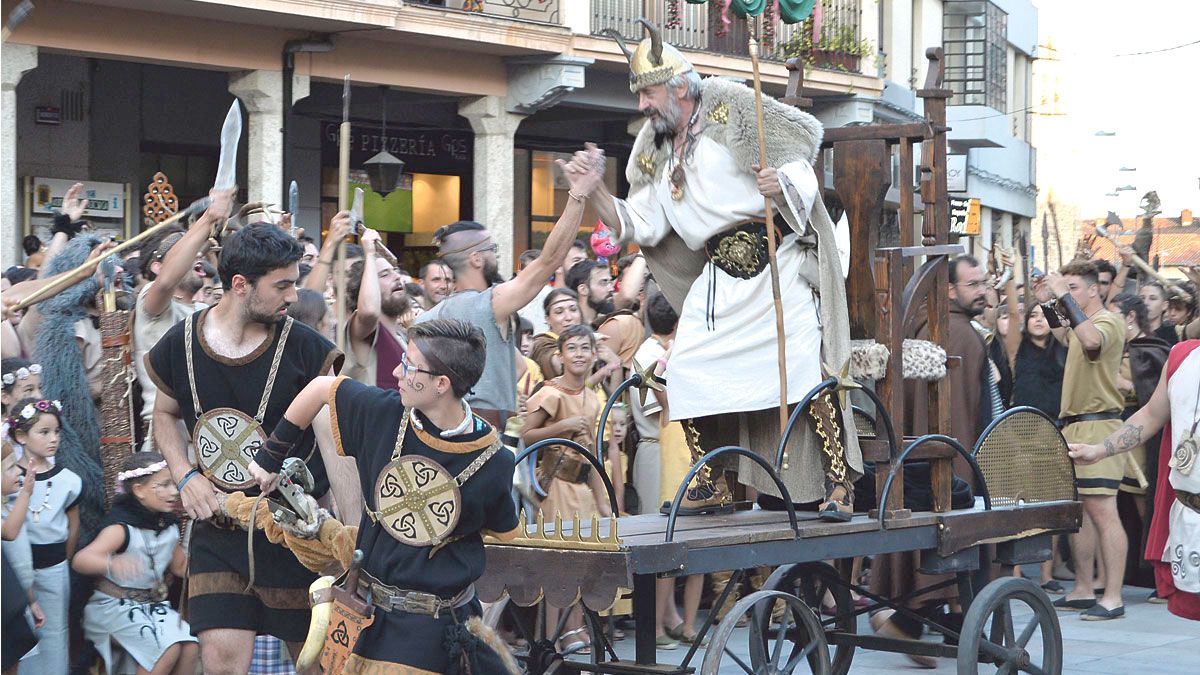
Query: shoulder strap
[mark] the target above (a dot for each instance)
(188, 336)
(478, 462)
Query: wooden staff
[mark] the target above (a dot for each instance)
(768, 209)
(80, 273)
(339, 270)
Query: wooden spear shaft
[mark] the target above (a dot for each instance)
(339, 270)
(76, 275)
(769, 210)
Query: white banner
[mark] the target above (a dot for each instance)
(104, 200)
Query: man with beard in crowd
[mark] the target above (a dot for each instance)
(483, 298)
(376, 295)
(594, 284)
(437, 279)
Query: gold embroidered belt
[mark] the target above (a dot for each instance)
(742, 251)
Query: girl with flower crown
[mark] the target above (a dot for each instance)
(52, 525)
(21, 380)
(138, 546)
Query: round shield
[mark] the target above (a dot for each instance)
(417, 501)
(226, 441)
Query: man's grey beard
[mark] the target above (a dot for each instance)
(667, 120)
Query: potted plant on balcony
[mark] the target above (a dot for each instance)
(837, 48)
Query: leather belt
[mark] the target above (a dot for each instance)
(1188, 499)
(390, 598)
(563, 464)
(1088, 417)
(141, 595)
(742, 251)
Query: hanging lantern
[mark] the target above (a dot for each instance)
(383, 172)
(384, 169)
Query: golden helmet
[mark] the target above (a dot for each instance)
(652, 61)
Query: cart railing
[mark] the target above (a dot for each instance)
(596, 464)
(932, 438)
(673, 514)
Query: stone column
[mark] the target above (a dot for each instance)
(494, 129)
(261, 91)
(17, 60)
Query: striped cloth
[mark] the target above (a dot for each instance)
(270, 657)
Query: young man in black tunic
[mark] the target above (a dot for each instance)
(422, 442)
(244, 354)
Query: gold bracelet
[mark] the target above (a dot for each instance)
(576, 197)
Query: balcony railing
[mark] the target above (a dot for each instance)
(701, 23)
(540, 11)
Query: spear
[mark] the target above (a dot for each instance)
(15, 19)
(83, 271)
(339, 271)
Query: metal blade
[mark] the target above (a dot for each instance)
(231, 134)
(346, 99)
(356, 208)
(294, 204)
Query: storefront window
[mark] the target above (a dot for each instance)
(548, 195)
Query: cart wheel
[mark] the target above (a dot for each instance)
(1010, 627)
(769, 651)
(812, 582)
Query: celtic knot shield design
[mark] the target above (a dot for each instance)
(417, 500)
(226, 441)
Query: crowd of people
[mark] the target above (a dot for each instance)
(481, 362)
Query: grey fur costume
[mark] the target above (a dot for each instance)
(64, 379)
(728, 111)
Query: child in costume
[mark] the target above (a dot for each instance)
(18, 623)
(21, 380)
(565, 407)
(138, 546)
(422, 442)
(52, 525)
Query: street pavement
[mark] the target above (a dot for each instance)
(1148, 640)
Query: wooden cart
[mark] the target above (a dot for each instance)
(1025, 486)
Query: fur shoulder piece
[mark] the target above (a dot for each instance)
(727, 111)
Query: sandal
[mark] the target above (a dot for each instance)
(1098, 612)
(665, 642)
(1053, 587)
(1074, 605)
(678, 634)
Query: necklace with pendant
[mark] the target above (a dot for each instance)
(35, 514)
(678, 177)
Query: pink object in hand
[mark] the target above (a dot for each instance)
(602, 242)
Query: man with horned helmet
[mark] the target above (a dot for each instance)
(696, 207)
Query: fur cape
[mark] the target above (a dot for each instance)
(64, 379)
(727, 109)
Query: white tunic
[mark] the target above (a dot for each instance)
(727, 362)
(1182, 552)
(144, 630)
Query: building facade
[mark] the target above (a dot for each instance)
(477, 104)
